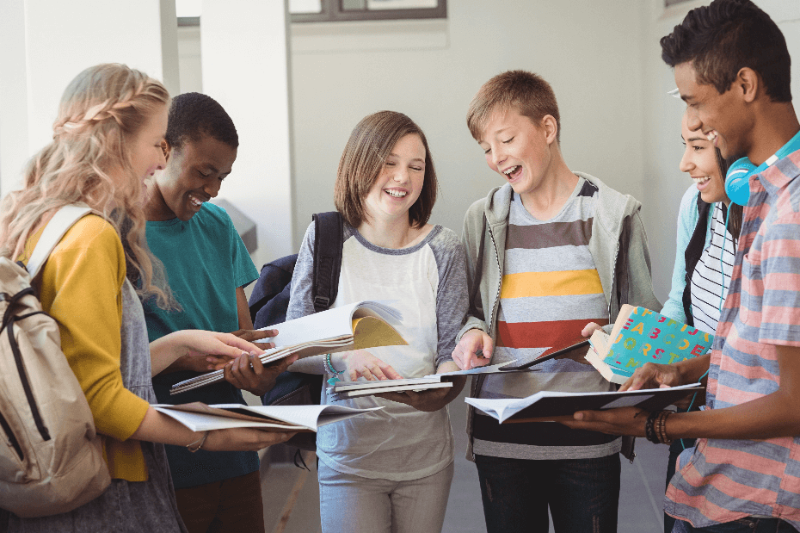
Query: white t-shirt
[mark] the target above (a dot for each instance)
(427, 283)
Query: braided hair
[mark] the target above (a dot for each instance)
(101, 111)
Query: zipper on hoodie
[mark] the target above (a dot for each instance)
(499, 285)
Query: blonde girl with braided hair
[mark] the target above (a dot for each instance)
(106, 142)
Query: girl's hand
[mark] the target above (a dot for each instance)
(243, 439)
(197, 350)
(589, 329)
(361, 363)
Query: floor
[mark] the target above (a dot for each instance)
(291, 494)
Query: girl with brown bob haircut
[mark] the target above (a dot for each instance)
(391, 469)
(366, 151)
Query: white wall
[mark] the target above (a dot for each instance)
(46, 44)
(245, 66)
(663, 183)
(588, 50)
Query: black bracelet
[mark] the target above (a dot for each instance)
(649, 430)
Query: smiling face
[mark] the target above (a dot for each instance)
(193, 175)
(400, 181)
(146, 155)
(721, 118)
(700, 162)
(518, 149)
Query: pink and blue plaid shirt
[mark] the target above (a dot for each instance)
(730, 479)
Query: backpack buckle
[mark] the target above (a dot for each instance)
(321, 301)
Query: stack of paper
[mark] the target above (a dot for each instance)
(198, 416)
(356, 326)
(354, 389)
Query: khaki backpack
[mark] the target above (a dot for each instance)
(52, 461)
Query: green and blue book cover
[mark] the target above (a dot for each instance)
(643, 336)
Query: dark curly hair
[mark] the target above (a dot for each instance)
(193, 115)
(722, 38)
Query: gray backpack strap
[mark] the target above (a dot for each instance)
(61, 222)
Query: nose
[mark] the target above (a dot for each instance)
(693, 120)
(686, 164)
(401, 174)
(497, 156)
(212, 187)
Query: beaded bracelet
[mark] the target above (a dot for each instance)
(649, 431)
(655, 429)
(329, 366)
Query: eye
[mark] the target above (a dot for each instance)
(418, 169)
(697, 148)
(508, 141)
(487, 151)
(390, 163)
(203, 175)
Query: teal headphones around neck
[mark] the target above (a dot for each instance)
(737, 180)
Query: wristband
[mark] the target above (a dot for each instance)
(198, 444)
(329, 367)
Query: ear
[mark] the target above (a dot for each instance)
(550, 127)
(748, 83)
(166, 148)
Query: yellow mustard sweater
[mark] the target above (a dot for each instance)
(81, 288)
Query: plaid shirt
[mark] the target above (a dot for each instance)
(730, 479)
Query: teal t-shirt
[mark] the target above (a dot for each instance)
(206, 261)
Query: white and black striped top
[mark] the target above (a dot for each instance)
(707, 283)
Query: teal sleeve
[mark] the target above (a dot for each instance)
(687, 221)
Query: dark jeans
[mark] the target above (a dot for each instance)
(744, 525)
(583, 494)
(230, 506)
(675, 450)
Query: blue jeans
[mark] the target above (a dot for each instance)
(582, 494)
(743, 525)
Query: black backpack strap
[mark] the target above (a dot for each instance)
(328, 239)
(692, 255)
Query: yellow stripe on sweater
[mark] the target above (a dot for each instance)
(562, 283)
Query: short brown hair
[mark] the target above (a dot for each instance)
(367, 149)
(526, 92)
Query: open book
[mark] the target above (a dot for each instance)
(356, 326)
(354, 389)
(643, 336)
(198, 416)
(551, 405)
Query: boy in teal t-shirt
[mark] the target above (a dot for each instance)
(207, 267)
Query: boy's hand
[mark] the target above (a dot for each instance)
(250, 374)
(473, 350)
(252, 335)
(589, 329)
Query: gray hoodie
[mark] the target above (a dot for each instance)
(618, 246)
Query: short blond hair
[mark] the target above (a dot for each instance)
(101, 111)
(526, 92)
(367, 149)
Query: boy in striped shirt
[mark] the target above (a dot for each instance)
(550, 251)
(732, 68)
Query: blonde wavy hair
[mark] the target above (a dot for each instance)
(100, 113)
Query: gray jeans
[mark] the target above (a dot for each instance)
(355, 504)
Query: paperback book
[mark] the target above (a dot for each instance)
(198, 416)
(640, 336)
(361, 325)
(554, 406)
